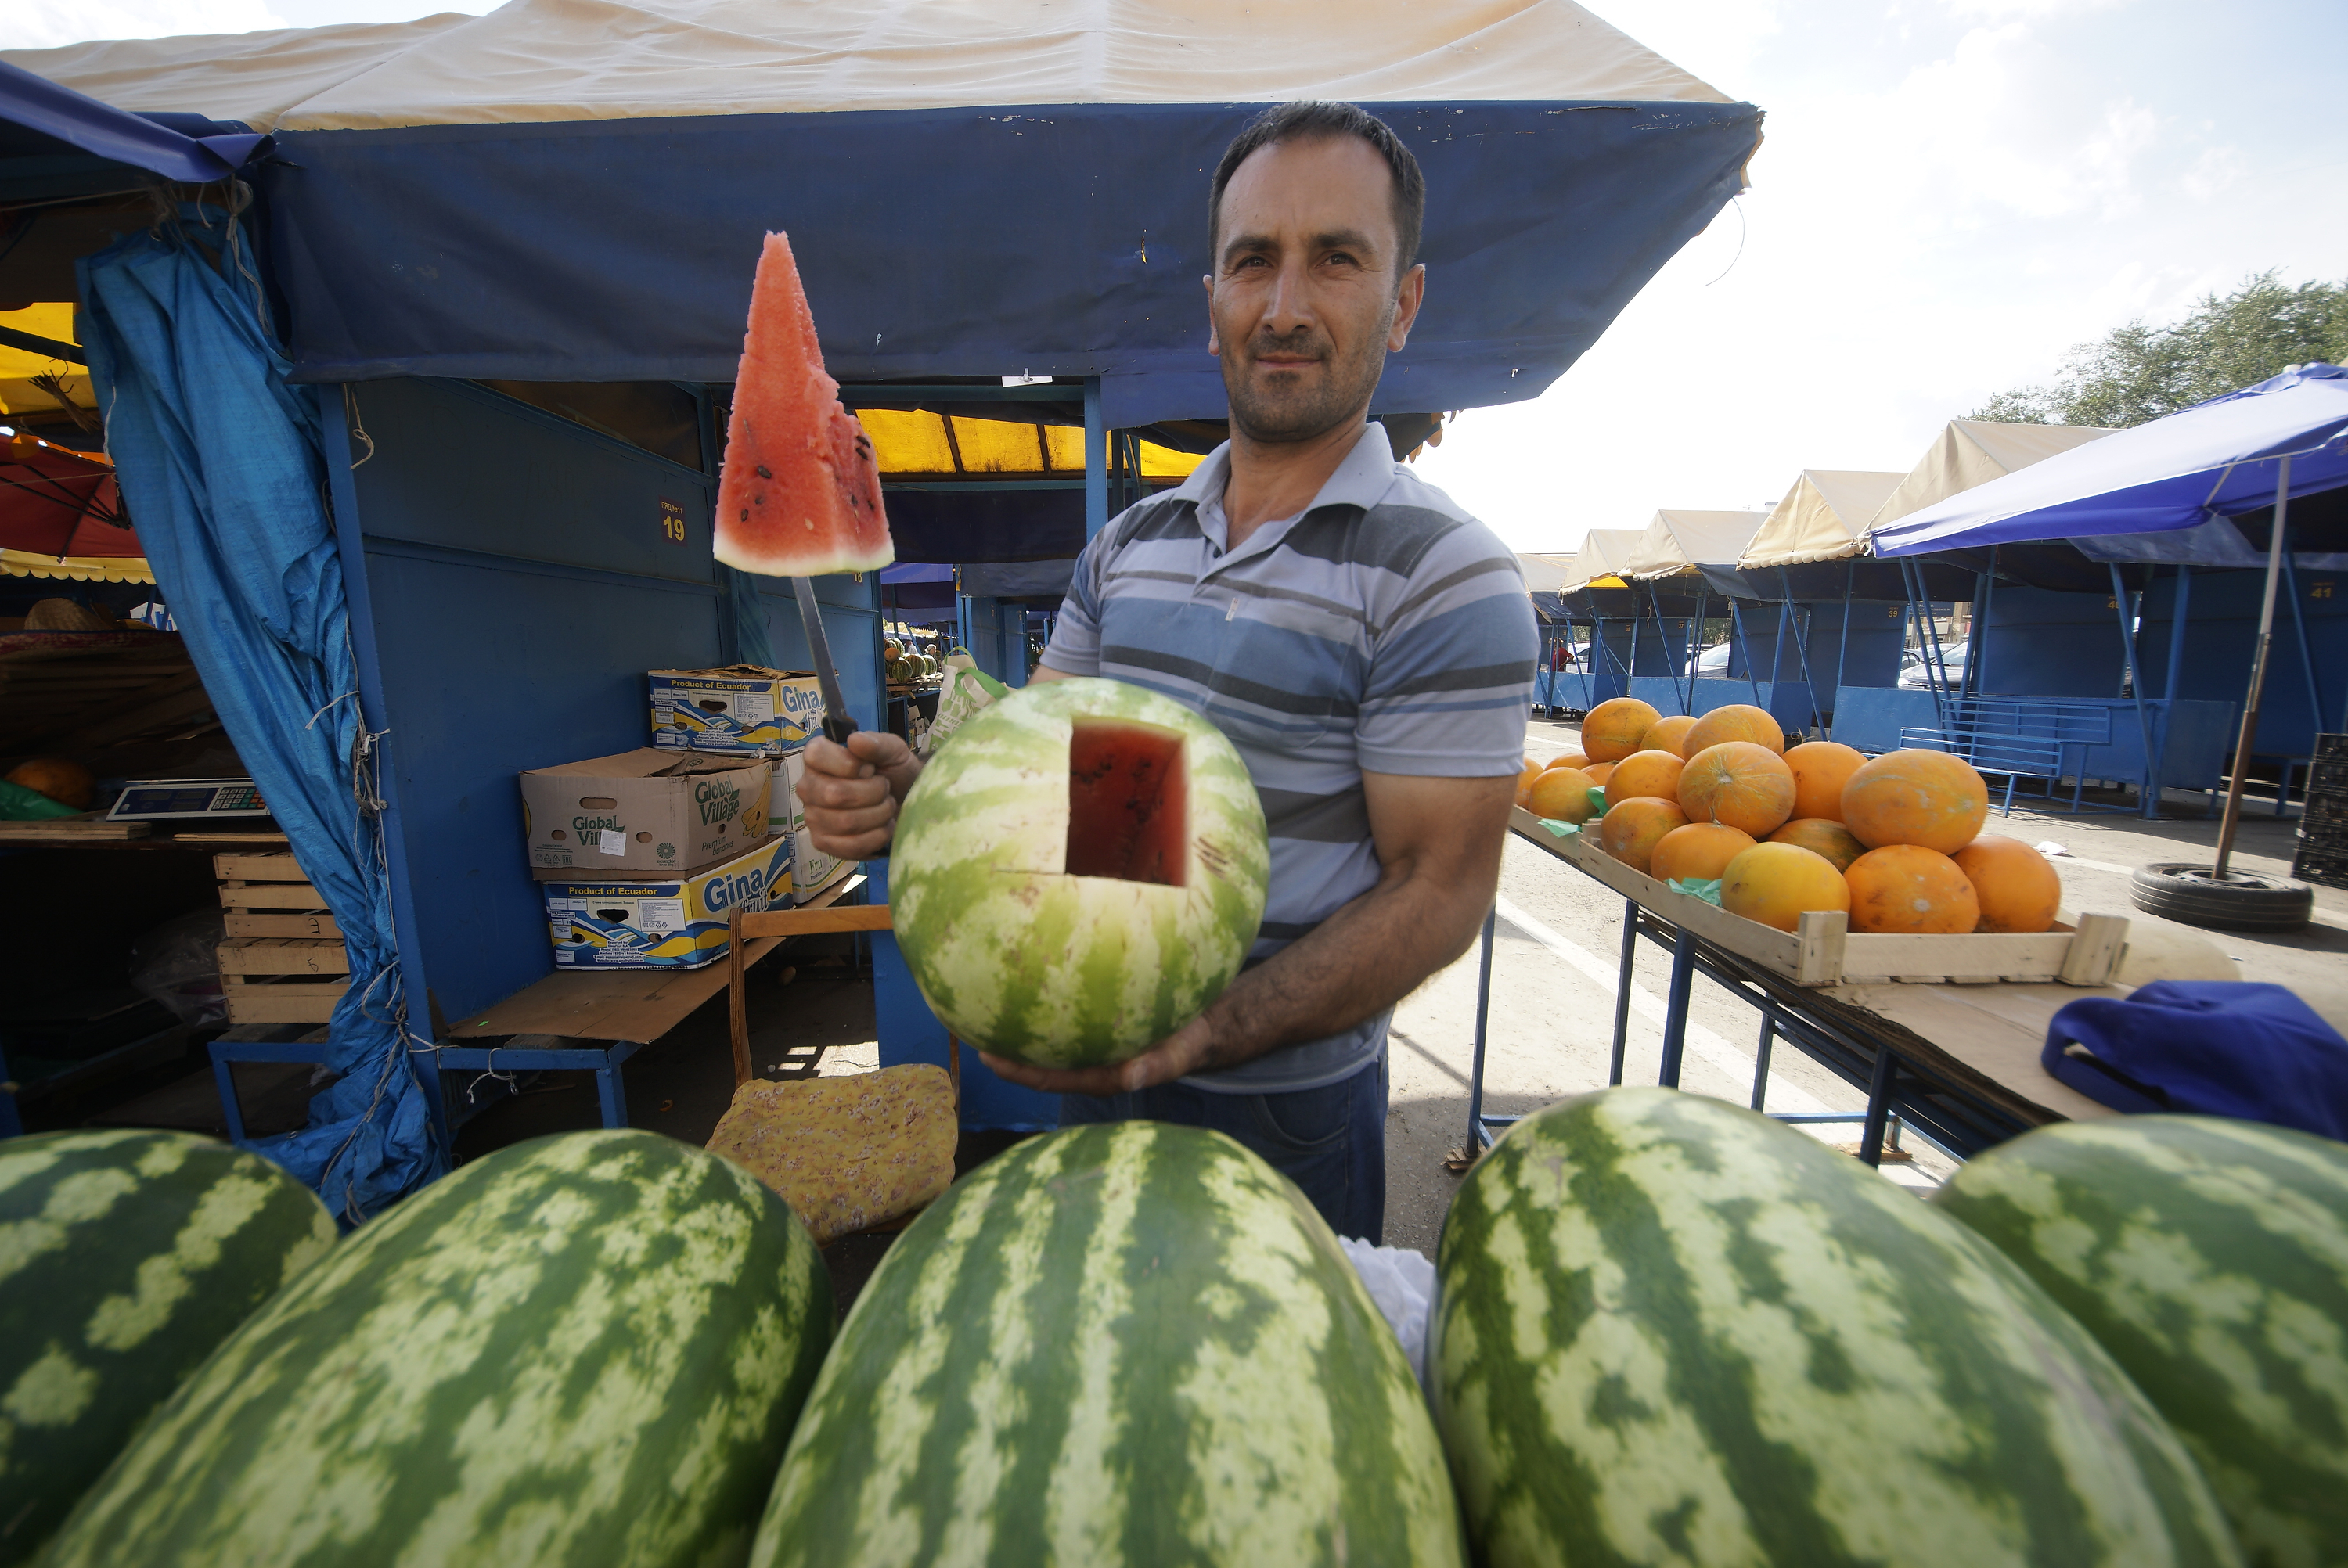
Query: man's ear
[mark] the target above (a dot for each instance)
(1214, 345)
(1407, 299)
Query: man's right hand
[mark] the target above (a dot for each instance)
(851, 792)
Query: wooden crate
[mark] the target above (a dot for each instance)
(1826, 952)
(283, 961)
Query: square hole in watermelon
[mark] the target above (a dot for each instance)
(1128, 812)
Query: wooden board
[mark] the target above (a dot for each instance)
(1827, 952)
(70, 830)
(250, 866)
(637, 1005)
(280, 1001)
(300, 956)
(243, 924)
(269, 895)
(1985, 1039)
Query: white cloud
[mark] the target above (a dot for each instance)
(2216, 170)
(49, 24)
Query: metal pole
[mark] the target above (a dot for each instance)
(1662, 641)
(1878, 1104)
(2147, 802)
(1695, 640)
(1981, 627)
(2169, 678)
(1623, 988)
(1483, 1009)
(1842, 650)
(1802, 655)
(1761, 1052)
(1736, 621)
(1675, 1007)
(1095, 460)
(2306, 656)
(2249, 733)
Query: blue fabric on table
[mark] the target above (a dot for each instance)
(2219, 1048)
(221, 461)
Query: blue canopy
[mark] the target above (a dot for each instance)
(178, 146)
(2217, 459)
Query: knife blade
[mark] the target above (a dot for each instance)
(836, 725)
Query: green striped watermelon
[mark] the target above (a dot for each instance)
(2210, 1257)
(1078, 873)
(1670, 1331)
(125, 1258)
(1121, 1344)
(586, 1349)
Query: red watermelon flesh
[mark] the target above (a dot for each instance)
(800, 492)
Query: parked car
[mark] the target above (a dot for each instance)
(1713, 662)
(1915, 664)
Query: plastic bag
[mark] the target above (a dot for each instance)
(967, 689)
(19, 804)
(177, 963)
(1402, 1283)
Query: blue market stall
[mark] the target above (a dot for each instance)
(499, 309)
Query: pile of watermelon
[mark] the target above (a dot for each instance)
(1668, 1330)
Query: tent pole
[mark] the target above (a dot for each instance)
(1695, 640)
(1802, 654)
(1979, 638)
(1662, 641)
(1095, 460)
(1928, 652)
(2249, 733)
(2147, 802)
(1842, 645)
(1966, 681)
(1736, 618)
(2168, 680)
(2299, 626)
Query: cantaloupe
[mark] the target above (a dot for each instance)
(1630, 829)
(1776, 884)
(1668, 734)
(2018, 889)
(1907, 889)
(1562, 795)
(1532, 771)
(1699, 852)
(1736, 722)
(1611, 731)
(1567, 760)
(61, 779)
(1820, 770)
(1741, 782)
(1821, 837)
(1926, 798)
(1649, 773)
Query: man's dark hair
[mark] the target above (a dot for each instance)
(1305, 121)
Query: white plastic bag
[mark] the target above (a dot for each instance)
(1402, 1283)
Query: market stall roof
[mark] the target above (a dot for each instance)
(1544, 573)
(61, 516)
(2219, 459)
(1600, 561)
(567, 192)
(1822, 518)
(1679, 542)
(1970, 452)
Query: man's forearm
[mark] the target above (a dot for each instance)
(1361, 960)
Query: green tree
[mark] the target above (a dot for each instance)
(2139, 372)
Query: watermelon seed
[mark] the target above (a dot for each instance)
(745, 513)
(764, 472)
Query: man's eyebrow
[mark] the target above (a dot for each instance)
(1332, 240)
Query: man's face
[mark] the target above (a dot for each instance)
(1302, 301)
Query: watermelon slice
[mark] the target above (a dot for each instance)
(800, 493)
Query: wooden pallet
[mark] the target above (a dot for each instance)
(283, 961)
(1826, 952)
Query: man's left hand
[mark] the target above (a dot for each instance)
(1183, 1051)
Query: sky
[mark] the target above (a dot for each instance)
(1951, 194)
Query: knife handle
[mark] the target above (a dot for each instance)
(838, 727)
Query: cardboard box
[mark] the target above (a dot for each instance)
(812, 871)
(743, 710)
(645, 812)
(664, 924)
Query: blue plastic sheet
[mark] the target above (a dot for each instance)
(219, 459)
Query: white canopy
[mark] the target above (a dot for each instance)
(1822, 518)
(1544, 573)
(540, 60)
(1603, 554)
(1679, 542)
(1972, 451)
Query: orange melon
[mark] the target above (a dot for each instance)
(1654, 773)
(1907, 889)
(61, 779)
(2018, 889)
(1820, 770)
(1525, 782)
(1598, 771)
(1700, 852)
(1562, 795)
(1741, 782)
(1611, 730)
(1631, 830)
(1776, 884)
(1567, 760)
(1820, 836)
(1667, 735)
(1736, 722)
(1929, 799)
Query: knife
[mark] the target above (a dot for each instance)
(836, 725)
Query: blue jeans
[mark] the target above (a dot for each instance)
(1330, 1141)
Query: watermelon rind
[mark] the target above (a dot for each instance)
(2210, 1257)
(1130, 1343)
(126, 1257)
(1671, 1330)
(1058, 970)
(583, 1349)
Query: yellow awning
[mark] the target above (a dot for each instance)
(910, 441)
(77, 568)
(17, 366)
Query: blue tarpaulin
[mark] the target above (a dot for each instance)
(224, 457)
(2217, 459)
(177, 147)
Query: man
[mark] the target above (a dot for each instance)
(1367, 645)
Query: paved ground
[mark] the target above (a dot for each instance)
(1551, 1019)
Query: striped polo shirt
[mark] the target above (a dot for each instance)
(1382, 630)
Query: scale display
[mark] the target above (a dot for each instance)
(143, 799)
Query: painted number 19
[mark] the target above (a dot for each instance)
(673, 521)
